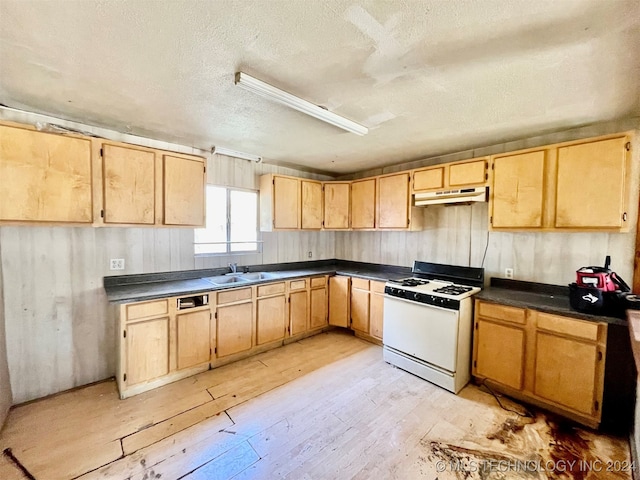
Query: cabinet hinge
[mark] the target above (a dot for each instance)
(627, 146)
(476, 326)
(486, 176)
(491, 220)
(102, 153)
(102, 213)
(273, 181)
(215, 315)
(599, 356)
(624, 217)
(475, 363)
(493, 166)
(408, 221)
(205, 168)
(124, 377)
(323, 223)
(215, 350)
(596, 406)
(210, 351)
(210, 316)
(124, 334)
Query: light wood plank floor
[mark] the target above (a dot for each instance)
(327, 407)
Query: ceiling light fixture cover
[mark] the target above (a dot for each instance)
(272, 93)
(236, 154)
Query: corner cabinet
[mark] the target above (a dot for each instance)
(574, 186)
(549, 360)
(45, 177)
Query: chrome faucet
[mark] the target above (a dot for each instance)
(233, 267)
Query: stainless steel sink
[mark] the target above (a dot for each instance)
(226, 279)
(259, 275)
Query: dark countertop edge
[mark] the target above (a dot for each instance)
(502, 295)
(141, 278)
(121, 293)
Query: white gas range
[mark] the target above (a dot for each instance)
(428, 322)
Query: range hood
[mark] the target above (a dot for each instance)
(462, 195)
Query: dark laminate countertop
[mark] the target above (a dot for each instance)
(542, 297)
(136, 288)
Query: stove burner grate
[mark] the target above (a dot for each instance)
(413, 282)
(453, 290)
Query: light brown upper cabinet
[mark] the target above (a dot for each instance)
(279, 203)
(393, 201)
(184, 187)
(337, 205)
(518, 186)
(363, 204)
(591, 184)
(467, 173)
(311, 210)
(573, 186)
(45, 177)
(129, 185)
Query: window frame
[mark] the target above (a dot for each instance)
(228, 243)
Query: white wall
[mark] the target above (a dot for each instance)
(458, 234)
(59, 326)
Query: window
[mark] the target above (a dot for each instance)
(232, 222)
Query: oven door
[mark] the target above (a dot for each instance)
(426, 332)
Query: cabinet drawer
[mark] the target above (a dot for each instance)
(147, 309)
(235, 295)
(377, 287)
(318, 282)
(501, 312)
(568, 326)
(271, 289)
(360, 283)
(298, 284)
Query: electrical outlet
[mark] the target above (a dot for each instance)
(310, 254)
(508, 272)
(116, 264)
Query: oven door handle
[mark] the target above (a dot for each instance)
(412, 302)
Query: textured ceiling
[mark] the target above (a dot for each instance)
(427, 77)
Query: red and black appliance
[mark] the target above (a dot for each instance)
(599, 291)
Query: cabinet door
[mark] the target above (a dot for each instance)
(363, 204)
(591, 184)
(129, 185)
(184, 187)
(44, 177)
(298, 312)
(318, 302)
(271, 319)
(428, 179)
(468, 173)
(311, 204)
(499, 353)
(339, 301)
(147, 350)
(376, 317)
(566, 371)
(234, 328)
(393, 201)
(193, 346)
(517, 190)
(336, 206)
(286, 203)
(360, 310)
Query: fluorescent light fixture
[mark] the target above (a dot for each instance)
(234, 153)
(272, 93)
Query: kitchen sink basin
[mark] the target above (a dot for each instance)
(259, 275)
(226, 279)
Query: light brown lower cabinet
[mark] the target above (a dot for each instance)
(551, 361)
(160, 344)
(271, 318)
(360, 305)
(298, 307)
(318, 314)
(376, 309)
(339, 287)
(234, 326)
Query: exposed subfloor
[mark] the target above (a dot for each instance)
(326, 407)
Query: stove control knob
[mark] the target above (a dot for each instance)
(416, 296)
